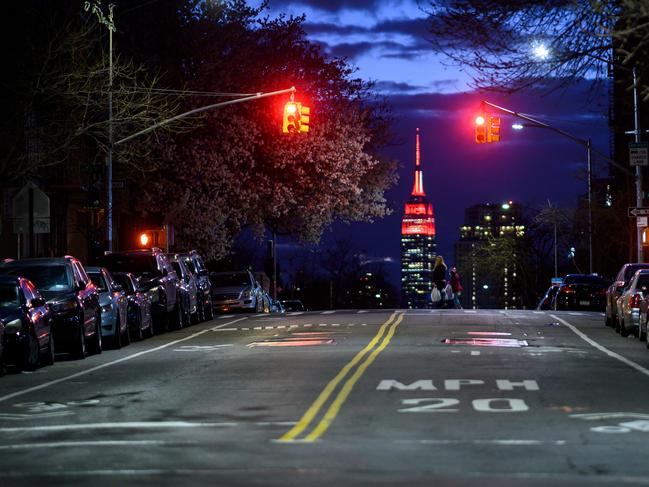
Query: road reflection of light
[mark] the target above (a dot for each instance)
(293, 343)
(489, 333)
(487, 342)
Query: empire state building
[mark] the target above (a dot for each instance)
(418, 247)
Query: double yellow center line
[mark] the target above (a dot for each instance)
(361, 361)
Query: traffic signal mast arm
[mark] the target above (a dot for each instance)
(537, 123)
(256, 96)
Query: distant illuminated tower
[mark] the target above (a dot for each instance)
(417, 243)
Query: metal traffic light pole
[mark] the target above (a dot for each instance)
(584, 142)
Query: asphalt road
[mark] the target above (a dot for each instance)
(444, 398)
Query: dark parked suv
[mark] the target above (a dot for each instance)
(156, 274)
(72, 297)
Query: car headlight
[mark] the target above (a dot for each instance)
(64, 306)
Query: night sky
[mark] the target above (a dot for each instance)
(386, 41)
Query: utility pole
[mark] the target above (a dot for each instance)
(638, 169)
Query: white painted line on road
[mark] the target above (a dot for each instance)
(538, 312)
(330, 312)
(576, 314)
(485, 442)
(68, 444)
(352, 324)
(602, 348)
(230, 329)
(257, 328)
(363, 324)
(293, 326)
(114, 362)
(471, 311)
(244, 329)
(323, 324)
(307, 325)
(225, 317)
(335, 324)
(296, 313)
(474, 353)
(281, 327)
(361, 311)
(105, 426)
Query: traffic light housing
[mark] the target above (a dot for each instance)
(291, 123)
(480, 129)
(494, 129)
(304, 119)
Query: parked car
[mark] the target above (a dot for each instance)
(293, 305)
(138, 311)
(546, 300)
(196, 265)
(71, 296)
(156, 274)
(614, 291)
(113, 302)
(236, 291)
(581, 291)
(25, 325)
(276, 306)
(628, 304)
(187, 289)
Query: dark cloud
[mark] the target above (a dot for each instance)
(394, 87)
(331, 5)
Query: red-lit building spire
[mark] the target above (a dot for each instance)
(418, 187)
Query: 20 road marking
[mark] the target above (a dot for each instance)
(330, 415)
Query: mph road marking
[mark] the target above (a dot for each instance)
(114, 362)
(374, 348)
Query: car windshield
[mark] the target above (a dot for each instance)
(177, 268)
(124, 281)
(190, 264)
(230, 279)
(140, 265)
(45, 277)
(631, 269)
(98, 280)
(584, 279)
(9, 297)
(643, 282)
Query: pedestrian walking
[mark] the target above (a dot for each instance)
(439, 279)
(456, 286)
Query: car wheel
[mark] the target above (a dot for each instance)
(31, 354)
(79, 347)
(177, 316)
(138, 335)
(98, 346)
(150, 331)
(48, 358)
(117, 335)
(127, 335)
(623, 331)
(208, 311)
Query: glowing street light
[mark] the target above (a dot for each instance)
(541, 51)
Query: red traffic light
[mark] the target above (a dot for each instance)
(480, 120)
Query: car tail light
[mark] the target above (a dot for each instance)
(601, 292)
(568, 290)
(636, 299)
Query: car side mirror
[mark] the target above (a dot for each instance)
(38, 302)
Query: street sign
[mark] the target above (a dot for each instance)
(639, 153)
(641, 221)
(31, 198)
(643, 211)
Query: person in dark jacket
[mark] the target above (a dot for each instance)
(439, 277)
(456, 286)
